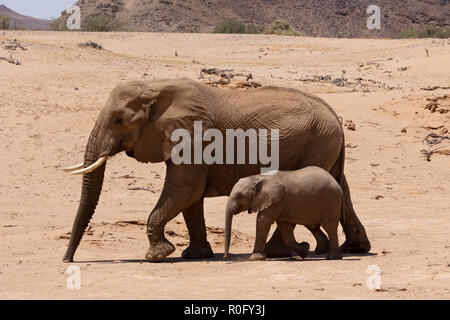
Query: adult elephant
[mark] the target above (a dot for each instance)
(140, 117)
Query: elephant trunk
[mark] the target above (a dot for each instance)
(228, 223)
(90, 192)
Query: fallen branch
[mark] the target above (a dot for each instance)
(432, 88)
(143, 189)
(225, 77)
(429, 153)
(344, 82)
(14, 45)
(434, 138)
(11, 60)
(91, 44)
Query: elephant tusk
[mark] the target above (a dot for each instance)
(78, 166)
(92, 167)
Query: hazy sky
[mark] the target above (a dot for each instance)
(44, 9)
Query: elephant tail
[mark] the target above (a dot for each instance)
(341, 178)
(342, 218)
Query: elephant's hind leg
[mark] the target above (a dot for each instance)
(287, 232)
(356, 238)
(199, 247)
(276, 248)
(331, 228)
(321, 239)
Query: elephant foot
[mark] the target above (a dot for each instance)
(276, 248)
(67, 259)
(303, 249)
(198, 251)
(257, 257)
(355, 246)
(334, 256)
(321, 248)
(160, 250)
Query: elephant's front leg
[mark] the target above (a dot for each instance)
(183, 187)
(263, 222)
(199, 247)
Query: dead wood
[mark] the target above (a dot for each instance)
(434, 138)
(226, 76)
(11, 60)
(90, 44)
(13, 45)
(143, 189)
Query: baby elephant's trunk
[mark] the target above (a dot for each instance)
(228, 223)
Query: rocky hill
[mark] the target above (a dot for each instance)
(323, 18)
(21, 21)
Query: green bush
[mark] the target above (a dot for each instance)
(253, 29)
(230, 27)
(57, 25)
(103, 23)
(282, 28)
(4, 22)
(277, 27)
(427, 31)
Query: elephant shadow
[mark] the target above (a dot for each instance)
(233, 258)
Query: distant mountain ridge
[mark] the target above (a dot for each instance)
(323, 18)
(21, 21)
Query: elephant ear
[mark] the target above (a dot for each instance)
(169, 105)
(267, 193)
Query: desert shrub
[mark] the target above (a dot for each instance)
(427, 31)
(4, 22)
(282, 28)
(230, 27)
(103, 23)
(253, 29)
(57, 25)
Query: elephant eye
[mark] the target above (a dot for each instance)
(119, 122)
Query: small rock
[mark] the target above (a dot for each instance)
(404, 130)
(350, 125)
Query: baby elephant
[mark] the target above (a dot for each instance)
(309, 196)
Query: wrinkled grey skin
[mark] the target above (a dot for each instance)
(309, 196)
(139, 118)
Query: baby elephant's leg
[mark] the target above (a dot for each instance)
(263, 223)
(287, 232)
(331, 228)
(321, 239)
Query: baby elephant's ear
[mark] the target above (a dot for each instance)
(267, 193)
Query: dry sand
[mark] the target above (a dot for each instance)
(48, 106)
